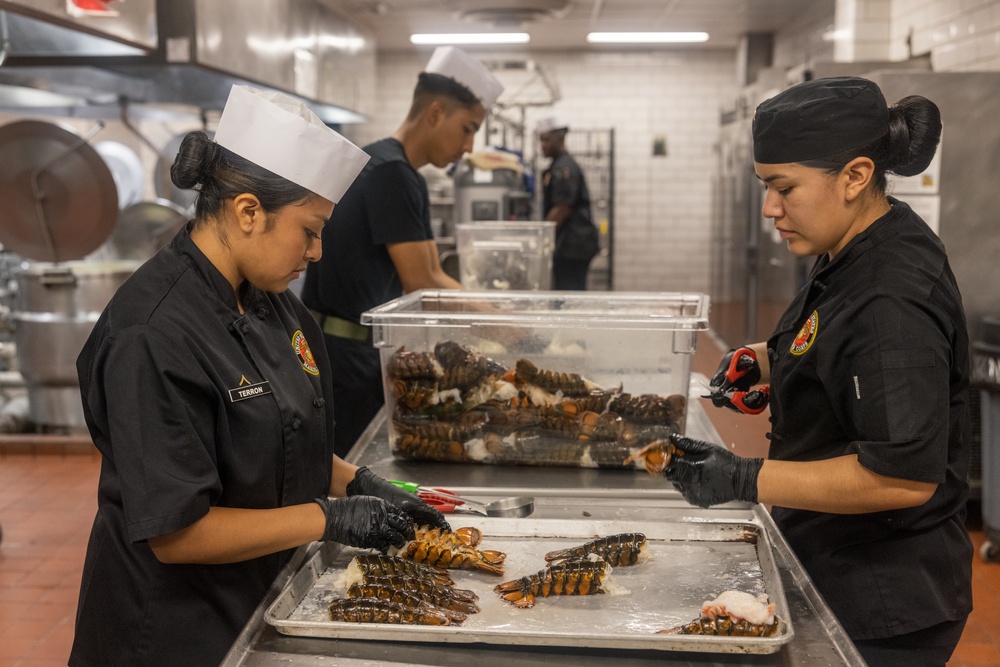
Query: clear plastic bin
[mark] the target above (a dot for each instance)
(505, 255)
(537, 378)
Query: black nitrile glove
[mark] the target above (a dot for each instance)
(708, 474)
(366, 522)
(367, 483)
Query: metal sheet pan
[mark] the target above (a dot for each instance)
(692, 561)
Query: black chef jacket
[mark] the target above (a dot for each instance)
(872, 358)
(387, 203)
(563, 183)
(192, 405)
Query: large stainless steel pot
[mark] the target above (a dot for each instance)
(56, 308)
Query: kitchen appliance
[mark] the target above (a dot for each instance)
(126, 170)
(145, 227)
(60, 199)
(986, 387)
(61, 204)
(57, 306)
(490, 185)
(957, 194)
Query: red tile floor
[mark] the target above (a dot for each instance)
(48, 500)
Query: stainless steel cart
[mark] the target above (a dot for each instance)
(560, 493)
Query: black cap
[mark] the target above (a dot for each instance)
(819, 118)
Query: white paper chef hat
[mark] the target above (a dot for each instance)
(460, 66)
(550, 124)
(284, 136)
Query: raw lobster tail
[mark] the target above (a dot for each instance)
(573, 578)
(453, 355)
(428, 449)
(621, 549)
(724, 626)
(405, 365)
(367, 610)
(460, 599)
(655, 456)
(466, 536)
(460, 558)
(649, 407)
(570, 384)
(409, 600)
(732, 614)
(380, 565)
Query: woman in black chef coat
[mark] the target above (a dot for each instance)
(868, 372)
(206, 388)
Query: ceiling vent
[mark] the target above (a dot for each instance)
(510, 12)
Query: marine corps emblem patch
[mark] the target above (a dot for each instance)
(304, 354)
(807, 334)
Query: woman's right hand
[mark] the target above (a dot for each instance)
(365, 522)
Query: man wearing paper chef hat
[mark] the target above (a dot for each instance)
(206, 388)
(380, 243)
(566, 201)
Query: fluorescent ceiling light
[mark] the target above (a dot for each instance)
(471, 38)
(646, 37)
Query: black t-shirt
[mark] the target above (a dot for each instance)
(192, 405)
(563, 183)
(872, 358)
(387, 203)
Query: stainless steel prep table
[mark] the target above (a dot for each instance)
(819, 638)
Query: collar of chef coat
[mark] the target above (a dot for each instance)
(861, 243)
(186, 247)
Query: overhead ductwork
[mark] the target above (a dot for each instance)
(182, 55)
(510, 12)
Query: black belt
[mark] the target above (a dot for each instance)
(340, 328)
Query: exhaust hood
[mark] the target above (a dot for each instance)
(180, 57)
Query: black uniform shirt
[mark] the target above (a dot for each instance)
(563, 183)
(387, 203)
(872, 358)
(192, 405)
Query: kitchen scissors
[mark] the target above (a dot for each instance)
(447, 503)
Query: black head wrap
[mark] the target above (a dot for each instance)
(819, 118)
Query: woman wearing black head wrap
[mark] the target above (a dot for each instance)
(868, 372)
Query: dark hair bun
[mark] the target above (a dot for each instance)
(914, 133)
(194, 161)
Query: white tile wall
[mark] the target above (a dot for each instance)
(959, 35)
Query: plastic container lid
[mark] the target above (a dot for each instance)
(664, 311)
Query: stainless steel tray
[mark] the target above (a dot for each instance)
(692, 561)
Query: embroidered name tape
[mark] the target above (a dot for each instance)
(249, 391)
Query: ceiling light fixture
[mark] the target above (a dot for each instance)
(471, 38)
(647, 37)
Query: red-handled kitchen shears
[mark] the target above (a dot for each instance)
(442, 500)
